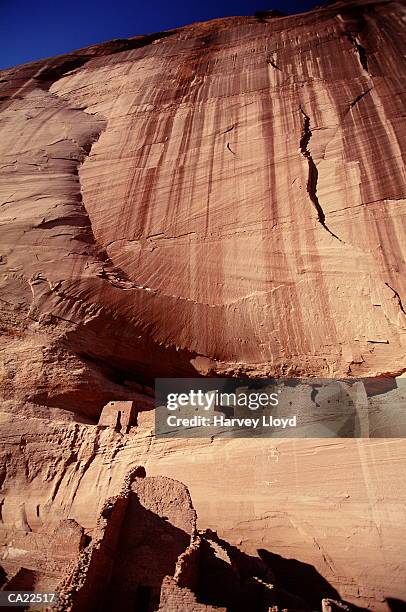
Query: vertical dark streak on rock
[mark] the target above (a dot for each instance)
(313, 174)
(46, 78)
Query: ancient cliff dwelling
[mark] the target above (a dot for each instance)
(226, 198)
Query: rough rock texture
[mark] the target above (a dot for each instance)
(316, 510)
(146, 554)
(222, 198)
(39, 560)
(142, 536)
(243, 213)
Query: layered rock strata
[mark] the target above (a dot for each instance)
(222, 198)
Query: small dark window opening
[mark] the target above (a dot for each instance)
(143, 598)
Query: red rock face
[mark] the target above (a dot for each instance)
(227, 197)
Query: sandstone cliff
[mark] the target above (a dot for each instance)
(223, 198)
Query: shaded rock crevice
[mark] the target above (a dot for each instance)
(313, 173)
(270, 61)
(360, 49)
(398, 298)
(359, 97)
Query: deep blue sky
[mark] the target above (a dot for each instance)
(33, 29)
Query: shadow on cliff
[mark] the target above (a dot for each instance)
(299, 579)
(230, 578)
(23, 580)
(396, 605)
(138, 547)
(240, 582)
(302, 581)
(148, 548)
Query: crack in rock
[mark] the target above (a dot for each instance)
(397, 296)
(272, 63)
(361, 51)
(313, 174)
(358, 98)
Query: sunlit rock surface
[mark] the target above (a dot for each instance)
(222, 198)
